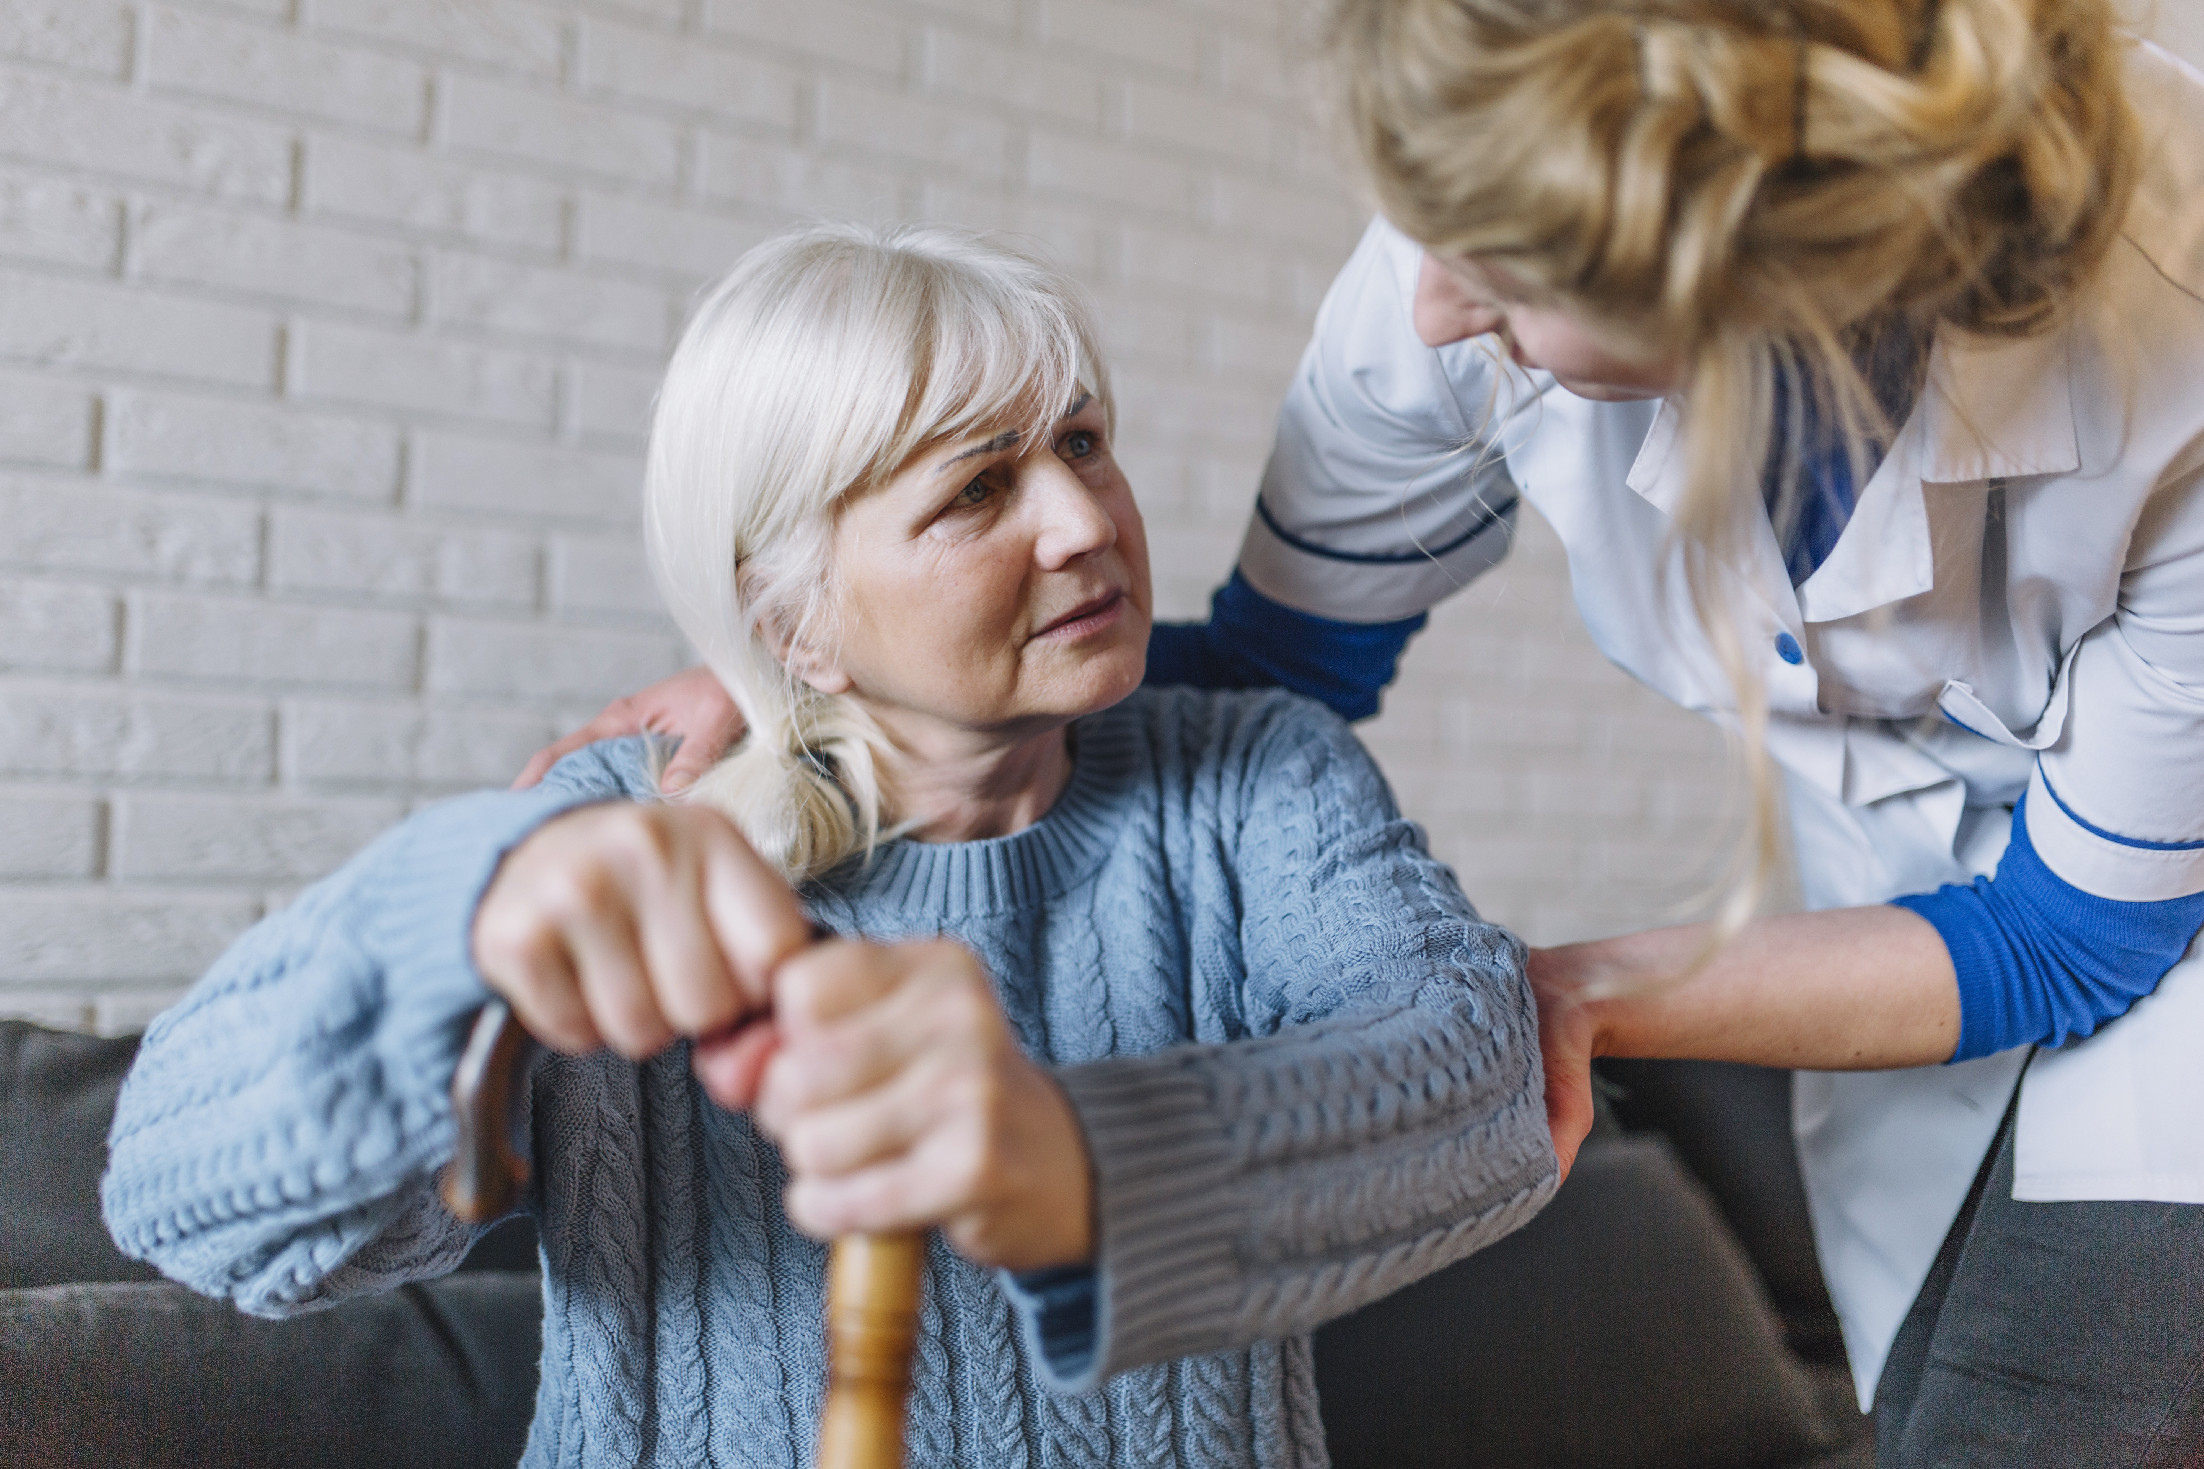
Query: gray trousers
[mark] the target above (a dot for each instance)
(2065, 1336)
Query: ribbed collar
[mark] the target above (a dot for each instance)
(943, 881)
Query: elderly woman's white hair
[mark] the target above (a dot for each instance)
(818, 367)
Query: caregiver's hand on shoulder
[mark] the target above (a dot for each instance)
(691, 705)
(629, 925)
(900, 1100)
(1567, 1041)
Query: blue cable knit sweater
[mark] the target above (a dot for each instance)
(1307, 1073)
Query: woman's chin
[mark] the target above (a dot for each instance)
(1606, 392)
(1104, 676)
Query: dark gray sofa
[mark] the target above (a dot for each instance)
(1656, 1315)
(106, 1366)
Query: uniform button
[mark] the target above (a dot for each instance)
(1787, 648)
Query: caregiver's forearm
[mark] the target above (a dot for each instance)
(1849, 989)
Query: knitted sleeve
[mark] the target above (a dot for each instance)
(277, 1139)
(1383, 1117)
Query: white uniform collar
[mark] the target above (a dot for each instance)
(1994, 408)
(1658, 476)
(1999, 408)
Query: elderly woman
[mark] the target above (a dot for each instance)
(1148, 999)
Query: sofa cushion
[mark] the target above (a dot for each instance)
(57, 1095)
(1622, 1327)
(1731, 1127)
(134, 1376)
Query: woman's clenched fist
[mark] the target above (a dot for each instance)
(629, 925)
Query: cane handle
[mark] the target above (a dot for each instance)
(487, 1172)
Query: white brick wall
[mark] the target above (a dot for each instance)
(328, 330)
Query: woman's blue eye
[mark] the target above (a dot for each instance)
(1079, 443)
(972, 494)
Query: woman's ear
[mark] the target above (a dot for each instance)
(778, 631)
(814, 668)
(799, 657)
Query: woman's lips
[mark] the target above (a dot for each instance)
(1088, 617)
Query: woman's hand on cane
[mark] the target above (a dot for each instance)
(630, 925)
(901, 1100)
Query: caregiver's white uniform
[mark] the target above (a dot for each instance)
(2017, 604)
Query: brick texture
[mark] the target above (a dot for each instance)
(328, 333)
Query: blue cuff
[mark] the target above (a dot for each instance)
(1251, 642)
(1058, 1309)
(2041, 962)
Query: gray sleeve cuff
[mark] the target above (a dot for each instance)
(1254, 1190)
(1167, 1282)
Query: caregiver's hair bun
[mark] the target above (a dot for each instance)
(1788, 164)
(822, 362)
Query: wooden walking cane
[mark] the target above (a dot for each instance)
(872, 1279)
(872, 1326)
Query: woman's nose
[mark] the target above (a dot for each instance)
(1073, 522)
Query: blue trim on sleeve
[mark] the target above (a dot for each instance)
(2111, 836)
(1059, 1306)
(1251, 642)
(2040, 962)
(1488, 516)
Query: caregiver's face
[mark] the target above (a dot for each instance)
(996, 585)
(1459, 298)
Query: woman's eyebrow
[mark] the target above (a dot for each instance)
(1078, 403)
(995, 445)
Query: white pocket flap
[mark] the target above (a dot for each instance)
(1963, 707)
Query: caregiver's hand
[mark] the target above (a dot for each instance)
(629, 925)
(691, 705)
(900, 1100)
(1847, 989)
(1567, 1042)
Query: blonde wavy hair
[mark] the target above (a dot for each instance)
(817, 368)
(1765, 189)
